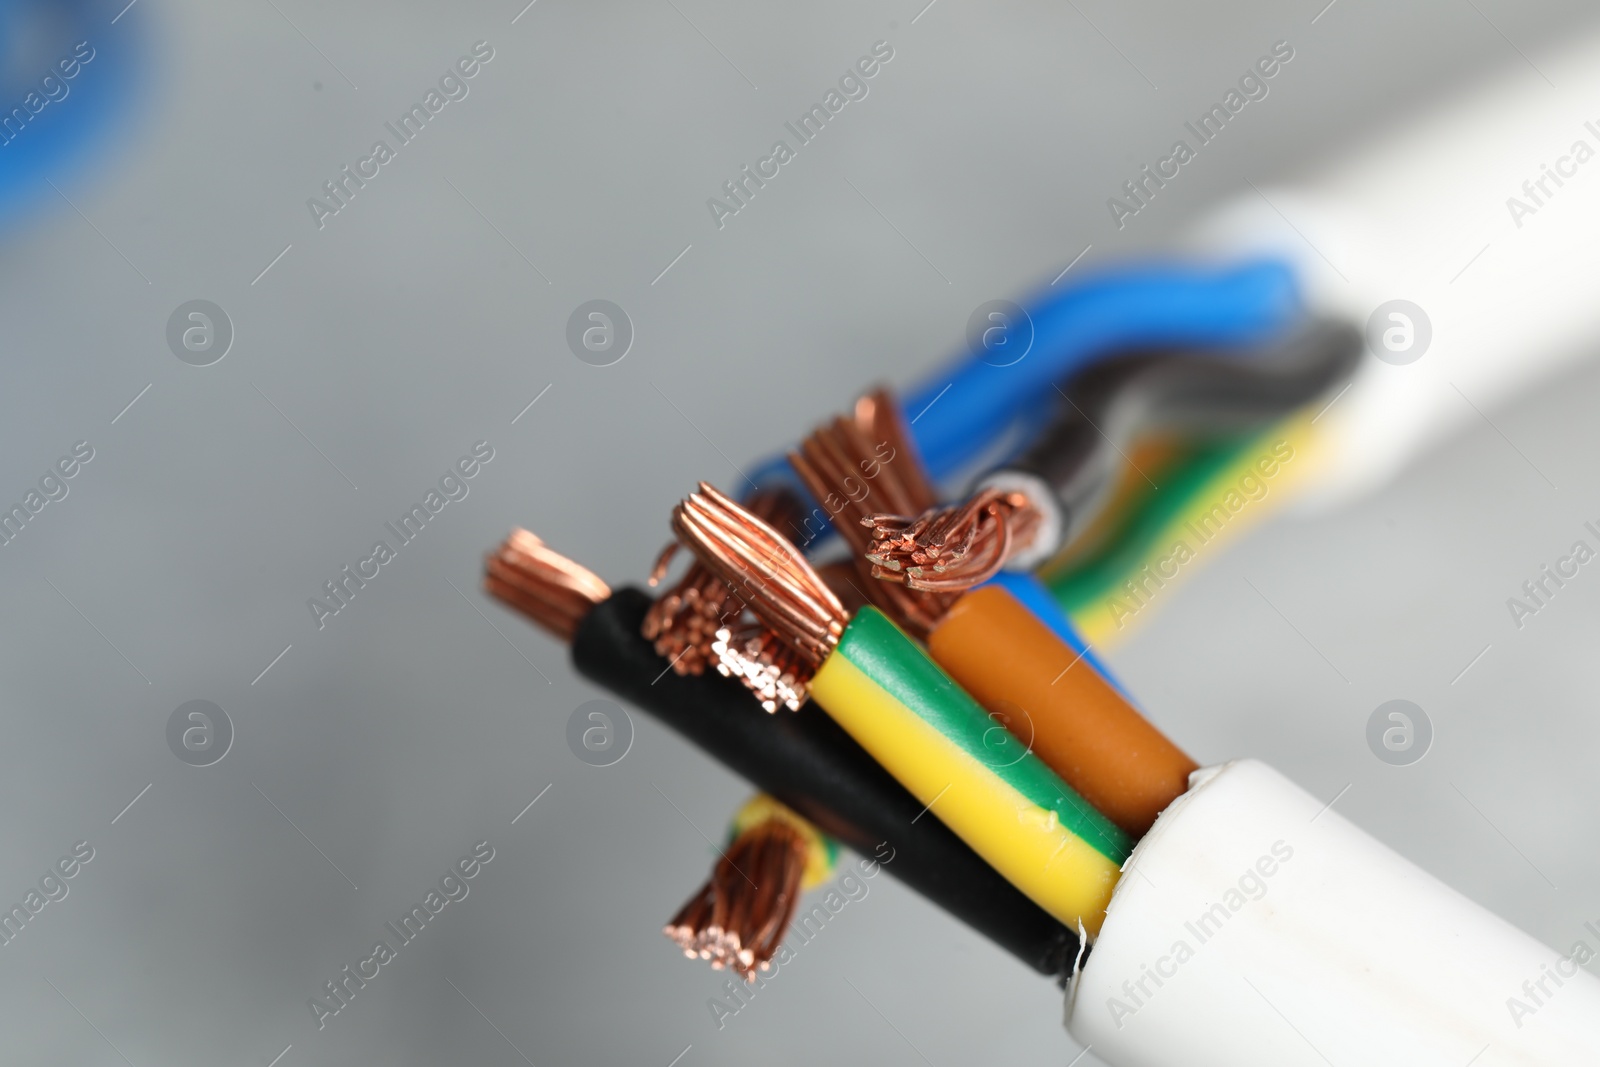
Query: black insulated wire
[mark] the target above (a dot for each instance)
(808, 762)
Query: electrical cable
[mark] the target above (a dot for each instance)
(1090, 566)
(1073, 719)
(1034, 595)
(1407, 208)
(1150, 459)
(917, 722)
(807, 762)
(1025, 512)
(1225, 493)
(1256, 927)
(1019, 660)
(968, 408)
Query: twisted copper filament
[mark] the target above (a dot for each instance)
(783, 593)
(950, 550)
(547, 587)
(684, 620)
(861, 467)
(738, 918)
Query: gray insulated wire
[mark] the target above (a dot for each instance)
(1070, 468)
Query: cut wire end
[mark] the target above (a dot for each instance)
(547, 587)
(859, 466)
(685, 620)
(794, 620)
(950, 550)
(738, 918)
(767, 667)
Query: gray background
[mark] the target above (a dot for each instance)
(409, 328)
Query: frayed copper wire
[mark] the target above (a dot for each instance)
(684, 620)
(770, 669)
(544, 585)
(799, 617)
(861, 467)
(738, 918)
(950, 550)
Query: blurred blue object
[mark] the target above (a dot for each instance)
(68, 75)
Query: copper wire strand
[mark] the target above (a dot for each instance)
(794, 619)
(556, 593)
(861, 467)
(684, 620)
(951, 549)
(761, 565)
(737, 920)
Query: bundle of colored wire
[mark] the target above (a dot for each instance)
(1152, 460)
(1075, 721)
(896, 702)
(1201, 499)
(1016, 666)
(1158, 477)
(738, 918)
(967, 408)
(807, 762)
(1026, 511)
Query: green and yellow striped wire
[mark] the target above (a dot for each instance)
(1093, 591)
(974, 775)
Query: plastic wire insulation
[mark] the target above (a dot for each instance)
(1229, 496)
(968, 407)
(1085, 572)
(810, 764)
(822, 851)
(1257, 927)
(1061, 708)
(977, 778)
(1149, 461)
(1034, 595)
(1107, 406)
(1118, 310)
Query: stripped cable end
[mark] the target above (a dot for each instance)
(685, 620)
(766, 666)
(738, 919)
(859, 466)
(792, 619)
(556, 593)
(952, 549)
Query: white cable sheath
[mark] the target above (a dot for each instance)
(1485, 213)
(1256, 927)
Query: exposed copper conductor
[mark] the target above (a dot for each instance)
(771, 670)
(685, 619)
(778, 586)
(547, 587)
(950, 550)
(861, 467)
(738, 918)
